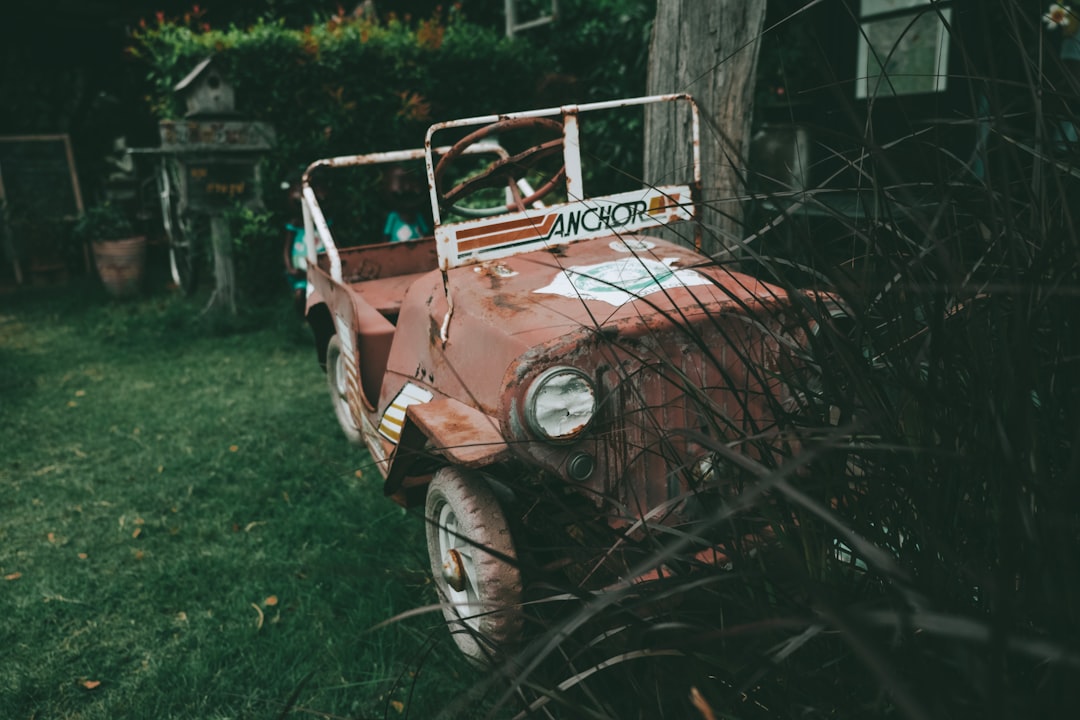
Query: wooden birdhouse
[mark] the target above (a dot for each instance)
(207, 92)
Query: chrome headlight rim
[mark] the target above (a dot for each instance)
(542, 382)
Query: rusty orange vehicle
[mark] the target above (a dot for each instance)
(540, 336)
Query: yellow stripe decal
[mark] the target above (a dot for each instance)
(393, 419)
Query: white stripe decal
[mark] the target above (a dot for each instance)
(393, 419)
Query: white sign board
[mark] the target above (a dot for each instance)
(491, 238)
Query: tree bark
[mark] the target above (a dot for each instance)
(709, 49)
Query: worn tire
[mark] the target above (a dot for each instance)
(336, 381)
(464, 515)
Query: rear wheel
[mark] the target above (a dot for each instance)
(180, 229)
(337, 379)
(473, 562)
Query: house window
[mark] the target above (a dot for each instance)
(903, 47)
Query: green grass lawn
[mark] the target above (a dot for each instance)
(185, 533)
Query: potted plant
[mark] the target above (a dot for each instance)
(119, 252)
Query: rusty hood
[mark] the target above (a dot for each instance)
(505, 310)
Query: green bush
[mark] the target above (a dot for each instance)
(105, 221)
(347, 85)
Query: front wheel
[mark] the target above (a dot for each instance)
(473, 563)
(337, 379)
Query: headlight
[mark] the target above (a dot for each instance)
(560, 403)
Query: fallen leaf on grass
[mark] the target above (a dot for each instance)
(13, 576)
(234, 448)
(359, 473)
(270, 601)
(91, 684)
(52, 538)
(398, 705)
(80, 393)
(83, 556)
(259, 622)
(137, 533)
(61, 598)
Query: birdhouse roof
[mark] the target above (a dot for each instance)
(193, 74)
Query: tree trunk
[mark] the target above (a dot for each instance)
(709, 49)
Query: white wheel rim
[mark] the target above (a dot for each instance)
(339, 382)
(467, 600)
(341, 394)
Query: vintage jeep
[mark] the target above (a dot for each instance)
(542, 339)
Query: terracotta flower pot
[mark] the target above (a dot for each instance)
(120, 264)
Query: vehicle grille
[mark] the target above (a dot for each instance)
(672, 398)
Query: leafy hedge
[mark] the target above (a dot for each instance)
(346, 85)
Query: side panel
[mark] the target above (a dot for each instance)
(383, 260)
(342, 309)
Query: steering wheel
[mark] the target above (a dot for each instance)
(504, 170)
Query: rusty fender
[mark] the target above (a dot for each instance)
(449, 429)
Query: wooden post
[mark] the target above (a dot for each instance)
(224, 295)
(709, 50)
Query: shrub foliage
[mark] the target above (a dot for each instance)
(346, 84)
